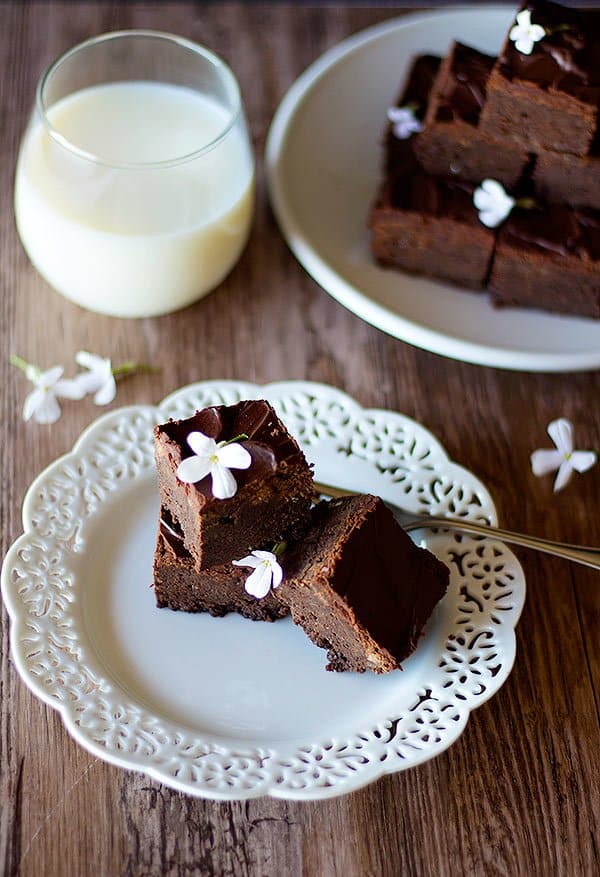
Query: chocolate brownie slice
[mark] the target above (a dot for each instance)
(451, 143)
(273, 495)
(569, 179)
(428, 225)
(359, 586)
(219, 590)
(548, 99)
(550, 259)
(399, 153)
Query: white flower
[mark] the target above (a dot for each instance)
(267, 572)
(404, 122)
(564, 458)
(216, 460)
(98, 379)
(492, 202)
(42, 403)
(524, 34)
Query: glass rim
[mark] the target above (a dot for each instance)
(217, 62)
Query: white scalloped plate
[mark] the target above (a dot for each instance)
(323, 159)
(228, 708)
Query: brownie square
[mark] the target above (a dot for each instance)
(428, 225)
(273, 495)
(359, 586)
(451, 143)
(549, 259)
(549, 98)
(218, 590)
(399, 154)
(569, 179)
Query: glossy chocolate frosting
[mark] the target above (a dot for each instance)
(559, 230)
(566, 59)
(268, 443)
(463, 95)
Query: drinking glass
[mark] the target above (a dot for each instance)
(134, 188)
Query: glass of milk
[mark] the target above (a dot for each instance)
(134, 188)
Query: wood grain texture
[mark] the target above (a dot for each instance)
(519, 792)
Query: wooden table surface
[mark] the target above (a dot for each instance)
(519, 792)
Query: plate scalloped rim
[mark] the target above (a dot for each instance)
(406, 464)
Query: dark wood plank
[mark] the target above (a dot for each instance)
(518, 794)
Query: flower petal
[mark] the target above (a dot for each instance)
(259, 582)
(524, 18)
(32, 401)
(249, 560)
(69, 389)
(107, 392)
(48, 410)
(193, 469)
(581, 461)
(201, 444)
(545, 460)
(561, 433)
(265, 555)
(224, 485)
(524, 44)
(234, 456)
(89, 360)
(50, 377)
(564, 476)
(277, 574)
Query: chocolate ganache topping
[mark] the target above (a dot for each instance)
(464, 93)
(566, 59)
(268, 445)
(559, 230)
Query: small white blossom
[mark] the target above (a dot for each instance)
(524, 34)
(42, 402)
(98, 377)
(215, 460)
(404, 122)
(564, 458)
(492, 202)
(267, 572)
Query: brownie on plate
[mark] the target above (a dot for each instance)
(570, 179)
(548, 99)
(399, 152)
(218, 590)
(272, 496)
(428, 225)
(451, 143)
(359, 586)
(550, 259)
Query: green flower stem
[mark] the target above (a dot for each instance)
(526, 203)
(23, 365)
(279, 548)
(131, 368)
(238, 438)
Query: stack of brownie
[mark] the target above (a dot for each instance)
(352, 578)
(529, 122)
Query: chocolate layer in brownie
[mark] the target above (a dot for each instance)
(428, 225)
(569, 179)
(399, 154)
(273, 496)
(359, 586)
(548, 99)
(219, 590)
(451, 143)
(549, 259)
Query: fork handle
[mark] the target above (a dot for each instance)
(576, 553)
